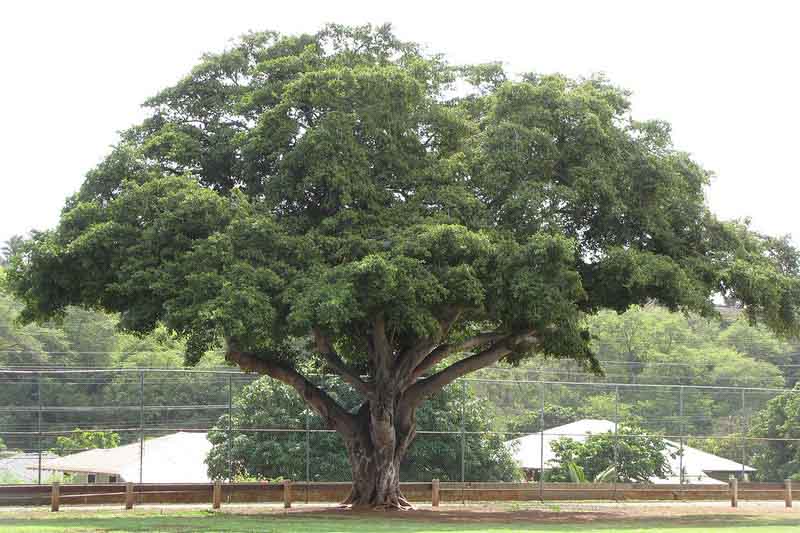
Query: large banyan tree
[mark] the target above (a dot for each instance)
(348, 203)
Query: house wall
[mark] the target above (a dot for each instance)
(725, 476)
(82, 478)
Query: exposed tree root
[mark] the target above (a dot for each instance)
(348, 502)
(393, 503)
(405, 503)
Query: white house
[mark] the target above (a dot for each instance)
(176, 458)
(699, 467)
(22, 467)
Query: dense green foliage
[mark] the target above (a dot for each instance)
(89, 339)
(82, 440)
(319, 181)
(262, 455)
(554, 415)
(82, 339)
(636, 456)
(774, 458)
(654, 346)
(650, 345)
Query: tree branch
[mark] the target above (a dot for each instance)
(444, 350)
(348, 373)
(331, 412)
(381, 352)
(424, 388)
(412, 357)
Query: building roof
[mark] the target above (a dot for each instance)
(527, 451)
(176, 458)
(23, 466)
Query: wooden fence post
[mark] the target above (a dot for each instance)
(734, 490)
(54, 496)
(787, 492)
(287, 493)
(129, 495)
(435, 493)
(216, 495)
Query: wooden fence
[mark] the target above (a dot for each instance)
(130, 494)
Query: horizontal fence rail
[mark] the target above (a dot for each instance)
(420, 493)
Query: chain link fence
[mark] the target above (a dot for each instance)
(471, 432)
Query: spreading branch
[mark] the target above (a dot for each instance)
(425, 388)
(413, 356)
(380, 351)
(444, 350)
(335, 362)
(331, 412)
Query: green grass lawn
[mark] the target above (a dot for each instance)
(189, 521)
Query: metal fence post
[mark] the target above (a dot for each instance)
(39, 424)
(681, 429)
(616, 437)
(230, 427)
(463, 440)
(308, 451)
(541, 443)
(744, 435)
(141, 426)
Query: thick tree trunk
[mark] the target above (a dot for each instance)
(375, 452)
(379, 435)
(376, 479)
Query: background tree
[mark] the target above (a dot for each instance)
(760, 343)
(9, 248)
(757, 342)
(411, 220)
(652, 345)
(554, 415)
(265, 404)
(82, 440)
(84, 339)
(649, 345)
(634, 456)
(777, 456)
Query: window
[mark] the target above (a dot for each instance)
(91, 478)
(112, 479)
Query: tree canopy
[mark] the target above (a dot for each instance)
(776, 453)
(346, 200)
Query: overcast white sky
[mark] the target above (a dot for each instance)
(725, 74)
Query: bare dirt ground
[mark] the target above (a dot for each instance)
(575, 513)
